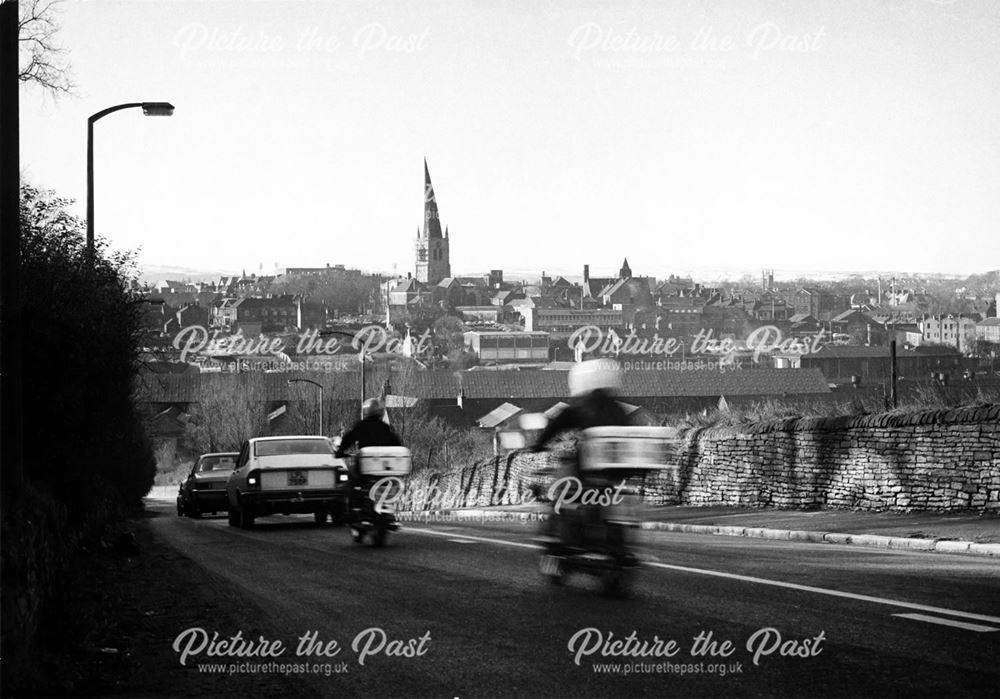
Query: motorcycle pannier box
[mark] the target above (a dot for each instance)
(628, 448)
(384, 461)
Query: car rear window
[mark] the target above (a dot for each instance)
(280, 447)
(218, 463)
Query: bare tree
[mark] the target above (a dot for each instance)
(43, 60)
(231, 409)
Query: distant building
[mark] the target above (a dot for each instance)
(449, 290)
(189, 316)
(840, 363)
(951, 330)
(569, 319)
(988, 330)
(257, 315)
(334, 271)
(680, 315)
(860, 328)
(907, 334)
(484, 314)
(432, 247)
(821, 305)
(512, 347)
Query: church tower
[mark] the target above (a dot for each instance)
(433, 259)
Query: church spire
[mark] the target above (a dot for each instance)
(432, 220)
(432, 248)
(625, 272)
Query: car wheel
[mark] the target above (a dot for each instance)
(379, 536)
(234, 517)
(246, 518)
(320, 517)
(180, 508)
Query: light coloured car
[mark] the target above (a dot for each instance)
(204, 490)
(287, 475)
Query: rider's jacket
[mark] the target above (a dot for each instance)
(594, 409)
(369, 432)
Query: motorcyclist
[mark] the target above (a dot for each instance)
(593, 386)
(370, 431)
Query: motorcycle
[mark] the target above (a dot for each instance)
(364, 515)
(590, 521)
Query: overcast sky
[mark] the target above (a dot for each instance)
(687, 136)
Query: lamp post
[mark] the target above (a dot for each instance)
(361, 359)
(149, 109)
(320, 387)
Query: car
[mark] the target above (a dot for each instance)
(204, 490)
(287, 475)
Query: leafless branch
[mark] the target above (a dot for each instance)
(43, 60)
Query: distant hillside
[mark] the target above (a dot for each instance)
(984, 283)
(156, 273)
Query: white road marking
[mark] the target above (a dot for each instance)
(760, 581)
(947, 622)
(472, 538)
(462, 541)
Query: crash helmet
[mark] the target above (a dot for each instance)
(595, 374)
(373, 408)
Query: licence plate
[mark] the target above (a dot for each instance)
(297, 478)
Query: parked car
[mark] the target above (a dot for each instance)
(204, 490)
(287, 475)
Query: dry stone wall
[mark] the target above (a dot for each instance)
(934, 460)
(947, 460)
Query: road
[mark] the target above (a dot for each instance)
(468, 604)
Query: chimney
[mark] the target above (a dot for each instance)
(586, 276)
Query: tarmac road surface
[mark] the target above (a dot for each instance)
(465, 613)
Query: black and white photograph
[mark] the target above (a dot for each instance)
(500, 348)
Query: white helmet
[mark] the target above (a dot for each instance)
(373, 408)
(593, 374)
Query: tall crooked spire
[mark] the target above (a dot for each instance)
(432, 220)
(433, 255)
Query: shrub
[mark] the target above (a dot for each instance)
(83, 438)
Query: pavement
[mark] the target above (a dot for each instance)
(942, 532)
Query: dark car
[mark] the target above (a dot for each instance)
(204, 490)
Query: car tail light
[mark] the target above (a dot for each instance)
(253, 479)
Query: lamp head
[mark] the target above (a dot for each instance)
(157, 108)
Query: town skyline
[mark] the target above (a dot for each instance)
(816, 137)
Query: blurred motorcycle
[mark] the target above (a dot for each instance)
(592, 511)
(365, 515)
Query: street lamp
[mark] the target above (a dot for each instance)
(320, 387)
(361, 358)
(149, 109)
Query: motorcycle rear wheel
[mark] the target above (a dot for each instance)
(553, 568)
